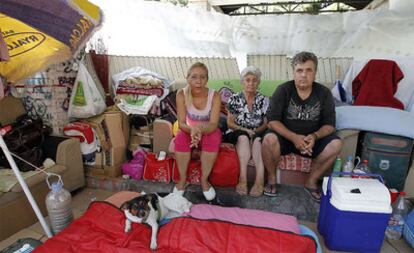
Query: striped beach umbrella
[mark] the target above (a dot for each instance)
(39, 33)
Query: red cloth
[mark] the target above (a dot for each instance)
(295, 162)
(101, 229)
(225, 172)
(377, 83)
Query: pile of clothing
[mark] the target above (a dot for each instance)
(139, 91)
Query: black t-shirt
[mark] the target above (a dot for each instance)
(302, 116)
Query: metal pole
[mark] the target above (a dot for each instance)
(25, 187)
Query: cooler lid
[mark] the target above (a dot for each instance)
(359, 195)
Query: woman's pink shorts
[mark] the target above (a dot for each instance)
(209, 142)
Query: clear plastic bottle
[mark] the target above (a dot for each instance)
(348, 165)
(362, 168)
(396, 223)
(58, 205)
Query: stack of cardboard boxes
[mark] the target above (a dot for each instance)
(112, 128)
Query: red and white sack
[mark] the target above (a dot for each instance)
(89, 142)
(193, 172)
(158, 171)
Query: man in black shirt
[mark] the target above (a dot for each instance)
(301, 121)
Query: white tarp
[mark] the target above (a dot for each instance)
(144, 28)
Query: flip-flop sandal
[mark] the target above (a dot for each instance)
(210, 194)
(311, 192)
(242, 190)
(257, 193)
(272, 192)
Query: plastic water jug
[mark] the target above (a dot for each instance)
(348, 165)
(58, 205)
(396, 223)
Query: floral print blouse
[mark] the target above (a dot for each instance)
(237, 106)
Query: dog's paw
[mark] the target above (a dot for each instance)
(153, 245)
(188, 207)
(126, 230)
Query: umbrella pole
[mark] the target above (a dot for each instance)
(25, 187)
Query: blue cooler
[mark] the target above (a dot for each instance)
(354, 213)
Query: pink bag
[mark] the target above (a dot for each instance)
(135, 167)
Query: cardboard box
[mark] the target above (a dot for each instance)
(349, 139)
(112, 128)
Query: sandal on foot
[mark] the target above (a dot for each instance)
(270, 190)
(315, 194)
(241, 188)
(210, 194)
(256, 191)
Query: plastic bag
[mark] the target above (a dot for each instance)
(86, 100)
(135, 167)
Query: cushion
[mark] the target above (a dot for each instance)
(120, 197)
(10, 109)
(295, 162)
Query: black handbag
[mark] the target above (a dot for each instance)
(25, 139)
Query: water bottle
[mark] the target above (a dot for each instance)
(396, 223)
(362, 168)
(337, 165)
(58, 205)
(348, 165)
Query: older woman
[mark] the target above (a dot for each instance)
(198, 113)
(247, 111)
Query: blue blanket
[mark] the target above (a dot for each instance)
(375, 119)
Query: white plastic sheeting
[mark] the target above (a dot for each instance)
(143, 28)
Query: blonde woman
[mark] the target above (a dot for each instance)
(247, 118)
(198, 112)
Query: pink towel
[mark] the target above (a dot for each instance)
(246, 216)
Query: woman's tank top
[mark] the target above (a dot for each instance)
(195, 116)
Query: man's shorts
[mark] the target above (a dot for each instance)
(287, 147)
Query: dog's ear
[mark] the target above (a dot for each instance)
(154, 201)
(125, 206)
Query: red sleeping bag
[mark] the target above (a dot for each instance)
(101, 229)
